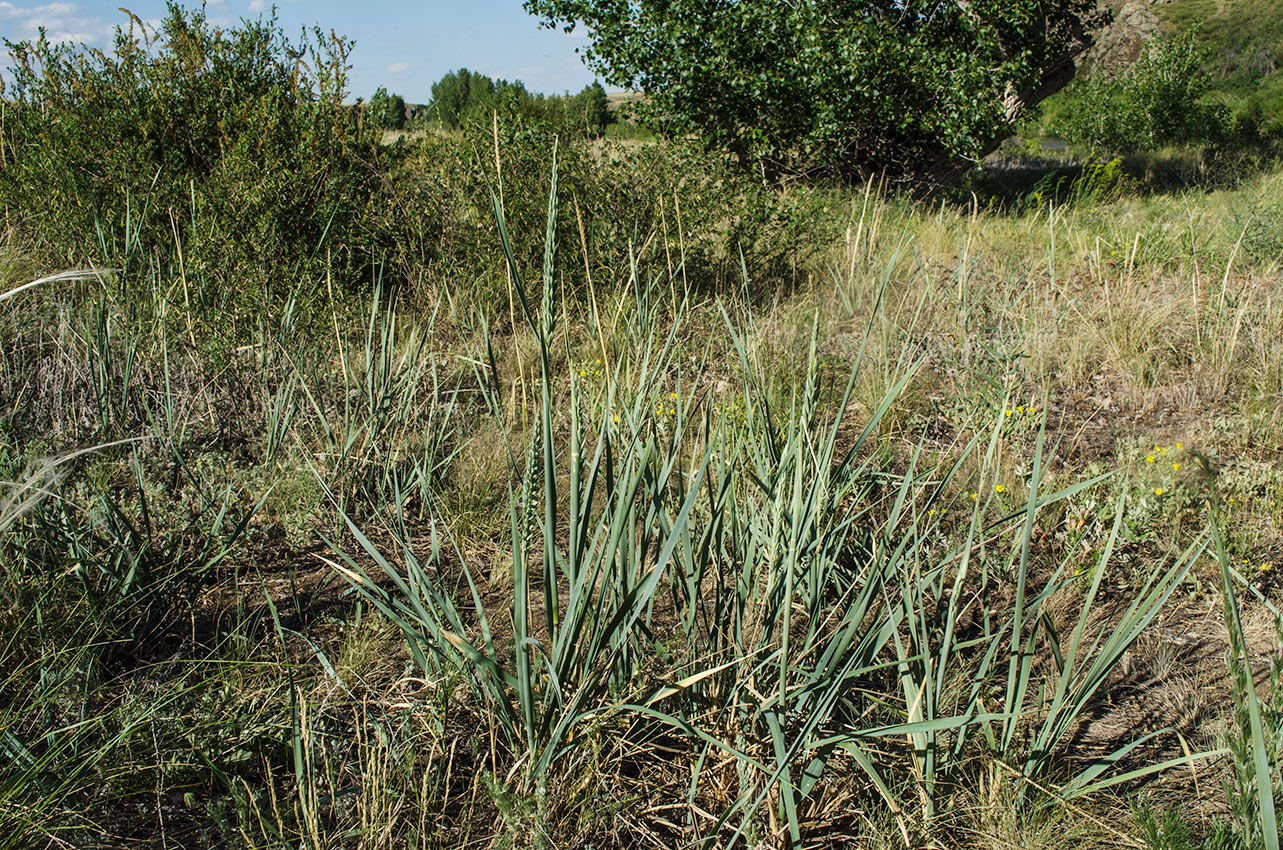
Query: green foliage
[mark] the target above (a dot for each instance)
(1091, 183)
(231, 147)
(1169, 831)
(457, 94)
(1158, 101)
(1244, 40)
(589, 110)
(852, 89)
(1255, 787)
(466, 97)
(685, 205)
(386, 111)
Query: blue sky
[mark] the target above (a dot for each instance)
(404, 46)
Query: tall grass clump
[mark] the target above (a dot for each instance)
(1255, 785)
(740, 572)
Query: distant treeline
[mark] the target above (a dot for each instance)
(464, 96)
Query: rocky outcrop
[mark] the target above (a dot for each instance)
(1120, 44)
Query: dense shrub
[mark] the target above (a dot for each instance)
(673, 206)
(914, 89)
(233, 144)
(231, 153)
(1160, 100)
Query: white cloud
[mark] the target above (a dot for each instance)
(257, 5)
(398, 67)
(62, 22)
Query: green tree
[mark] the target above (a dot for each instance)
(589, 110)
(387, 111)
(911, 88)
(457, 93)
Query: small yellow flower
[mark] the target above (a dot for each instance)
(1008, 413)
(672, 395)
(582, 373)
(975, 496)
(1178, 446)
(1158, 491)
(1000, 489)
(1176, 467)
(1020, 409)
(1150, 459)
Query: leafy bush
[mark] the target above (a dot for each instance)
(1092, 182)
(386, 111)
(1158, 101)
(661, 200)
(229, 146)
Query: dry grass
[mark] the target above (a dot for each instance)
(1146, 322)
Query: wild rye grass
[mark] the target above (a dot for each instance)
(747, 561)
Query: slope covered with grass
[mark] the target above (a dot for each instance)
(1245, 38)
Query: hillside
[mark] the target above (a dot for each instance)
(1245, 38)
